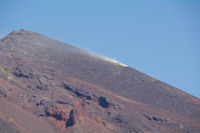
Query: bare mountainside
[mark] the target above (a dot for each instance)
(50, 86)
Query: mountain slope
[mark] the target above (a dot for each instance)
(72, 89)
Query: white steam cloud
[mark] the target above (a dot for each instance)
(114, 61)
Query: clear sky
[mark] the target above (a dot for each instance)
(159, 38)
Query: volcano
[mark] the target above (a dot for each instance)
(47, 86)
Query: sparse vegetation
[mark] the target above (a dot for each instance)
(100, 121)
(5, 72)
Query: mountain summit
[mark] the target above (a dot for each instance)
(50, 86)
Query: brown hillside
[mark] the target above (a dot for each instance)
(50, 86)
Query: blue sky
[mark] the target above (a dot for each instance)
(159, 38)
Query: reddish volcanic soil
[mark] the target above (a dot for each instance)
(47, 86)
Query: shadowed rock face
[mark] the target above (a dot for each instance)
(72, 90)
